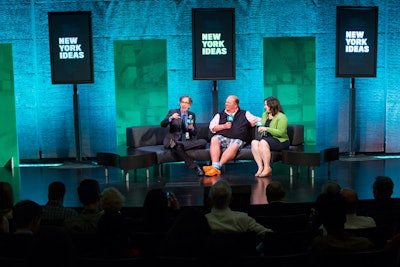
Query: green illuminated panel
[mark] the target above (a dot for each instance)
(141, 85)
(8, 127)
(289, 74)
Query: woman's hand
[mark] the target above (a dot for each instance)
(262, 129)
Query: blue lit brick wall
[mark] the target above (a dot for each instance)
(45, 111)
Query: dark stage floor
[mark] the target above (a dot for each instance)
(356, 172)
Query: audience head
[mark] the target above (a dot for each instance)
(27, 215)
(112, 200)
(155, 202)
(220, 194)
(351, 199)
(6, 197)
(56, 191)
(331, 187)
(383, 187)
(331, 208)
(190, 224)
(89, 192)
(275, 192)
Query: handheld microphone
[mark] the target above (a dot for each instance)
(258, 124)
(190, 119)
(230, 118)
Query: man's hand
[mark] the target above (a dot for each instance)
(176, 116)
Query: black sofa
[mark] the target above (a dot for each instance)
(150, 139)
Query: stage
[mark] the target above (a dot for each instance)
(357, 172)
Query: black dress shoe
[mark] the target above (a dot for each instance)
(199, 171)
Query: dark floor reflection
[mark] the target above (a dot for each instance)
(32, 182)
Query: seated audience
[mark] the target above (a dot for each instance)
(158, 212)
(331, 187)
(89, 196)
(6, 205)
(332, 211)
(53, 247)
(54, 209)
(26, 219)
(275, 192)
(224, 220)
(148, 231)
(189, 235)
(354, 221)
(384, 208)
(112, 227)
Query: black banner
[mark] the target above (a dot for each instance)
(70, 35)
(213, 37)
(356, 41)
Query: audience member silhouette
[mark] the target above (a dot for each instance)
(89, 196)
(148, 231)
(53, 247)
(331, 187)
(222, 219)
(189, 235)
(159, 211)
(392, 249)
(354, 221)
(112, 227)
(54, 209)
(382, 187)
(6, 206)
(383, 208)
(26, 219)
(331, 208)
(275, 192)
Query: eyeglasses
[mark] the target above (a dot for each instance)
(185, 102)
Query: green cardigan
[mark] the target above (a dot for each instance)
(278, 126)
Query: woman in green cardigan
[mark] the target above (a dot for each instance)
(273, 136)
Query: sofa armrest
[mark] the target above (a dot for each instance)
(138, 136)
(296, 134)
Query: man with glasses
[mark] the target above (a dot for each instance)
(182, 133)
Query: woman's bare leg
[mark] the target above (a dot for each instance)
(265, 153)
(255, 149)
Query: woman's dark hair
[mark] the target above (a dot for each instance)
(274, 105)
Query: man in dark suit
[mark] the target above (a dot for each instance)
(182, 133)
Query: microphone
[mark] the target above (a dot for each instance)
(230, 118)
(190, 119)
(258, 124)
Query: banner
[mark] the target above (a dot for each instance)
(70, 35)
(356, 41)
(213, 41)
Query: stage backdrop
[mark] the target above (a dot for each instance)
(8, 127)
(141, 85)
(289, 74)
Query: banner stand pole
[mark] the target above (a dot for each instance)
(78, 146)
(215, 97)
(352, 111)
